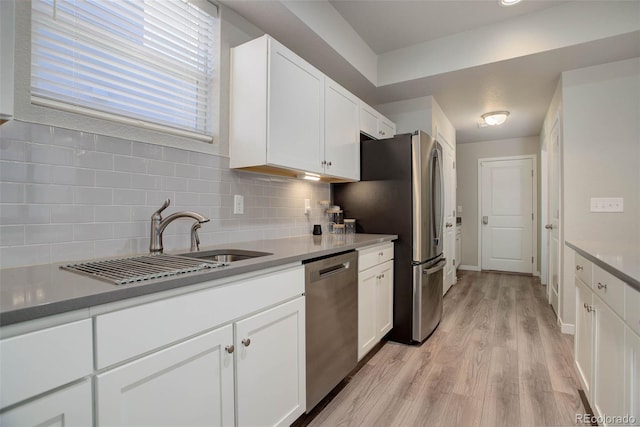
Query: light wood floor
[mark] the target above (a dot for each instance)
(497, 359)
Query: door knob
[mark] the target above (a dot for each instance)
(246, 342)
(448, 225)
(549, 226)
(485, 220)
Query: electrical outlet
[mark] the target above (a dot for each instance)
(607, 204)
(238, 204)
(307, 206)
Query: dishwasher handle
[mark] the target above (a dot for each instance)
(323, 273)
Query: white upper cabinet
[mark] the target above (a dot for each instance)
(6, 65)
(286, 117)
(276, 109)
(375, 124)
(342, 136)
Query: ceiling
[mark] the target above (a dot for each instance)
(472, 80)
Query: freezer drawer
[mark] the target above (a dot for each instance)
(427, 298)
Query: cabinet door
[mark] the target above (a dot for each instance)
(386, 128)
(368, 121)
(608, 390)
(295, 112)
(342, 136)
(270, 358)
(384, 300)
(367, 288)
(632, 376)
(69, 407)
(189, 384)
(583, 340)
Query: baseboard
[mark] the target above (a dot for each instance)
(566, 328)
(469, 267)
(536, 274)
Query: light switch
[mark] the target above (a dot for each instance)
(307, 206)
(238, 204)
(607, 204)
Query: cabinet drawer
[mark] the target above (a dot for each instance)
(583, 269)
(374, 255)
(127, 333)
(632, 309)
(39, 361)
(610, 289)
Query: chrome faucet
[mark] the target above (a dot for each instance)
(158, 224)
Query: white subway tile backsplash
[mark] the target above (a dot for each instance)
(93, 159)
(11, 192)
(67, 195)
(93, 196)
(113, 179)
(72, 214)
(71, 251)
(11, 235)
(46, 193)
(47, 233)
(128, 197)
(90, 232)
(24, 214)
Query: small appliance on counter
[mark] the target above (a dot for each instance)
(401, 192)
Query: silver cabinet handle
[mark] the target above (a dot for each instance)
(448, 225)
(601, 286)
(579, 267)
(246, 342)
(590, 309)
(585, 305)
(549, 226)
(229, 349)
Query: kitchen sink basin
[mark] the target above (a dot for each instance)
(225, 255)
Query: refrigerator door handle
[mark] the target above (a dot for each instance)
(439, 266)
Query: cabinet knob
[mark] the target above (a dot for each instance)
(601, 286)
(380, 253)
(579, 267)
(324, 162)
(590, 308)
(246, 342)
(382, 276)
(328, 163)
(549, 226)
(229, 349)
(448, 225)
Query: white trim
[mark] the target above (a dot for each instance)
(469, 267)
(566, 328)
(534, 195)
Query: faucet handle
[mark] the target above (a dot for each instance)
(164, 206)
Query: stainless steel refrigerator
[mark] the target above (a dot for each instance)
(401, 192)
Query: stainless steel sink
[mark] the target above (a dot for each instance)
(225, 255)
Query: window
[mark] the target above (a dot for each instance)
(148, 63)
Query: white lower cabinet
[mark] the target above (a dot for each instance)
(608, 391)
(68, 407)
(583, 340)
(188, 384)
(632, 376)
(375, 296)
(270, 358)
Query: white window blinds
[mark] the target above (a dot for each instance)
(148, 63)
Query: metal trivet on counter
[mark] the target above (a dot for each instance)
(123, 271)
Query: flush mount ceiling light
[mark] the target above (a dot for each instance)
(495, 118)
(508, 2)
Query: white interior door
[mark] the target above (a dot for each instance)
(553, 216)
(506, 215)
(449, 232)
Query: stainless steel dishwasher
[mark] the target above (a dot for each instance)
(331, 289)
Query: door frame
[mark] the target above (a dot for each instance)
(534, 195)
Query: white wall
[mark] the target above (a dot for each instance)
(467, 192)
(601, 139)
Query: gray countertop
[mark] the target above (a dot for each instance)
(28, 293)
(623, 261)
